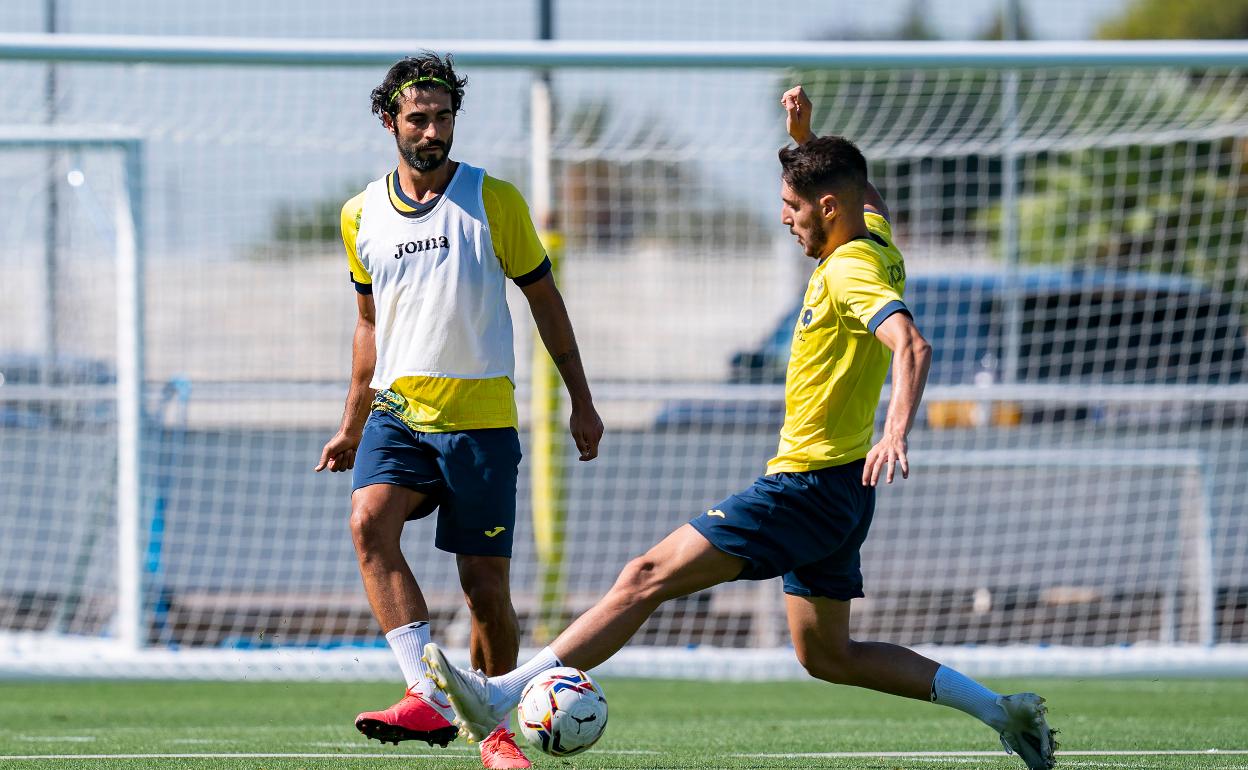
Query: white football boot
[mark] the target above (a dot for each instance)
(1026, 732)
(469, 693)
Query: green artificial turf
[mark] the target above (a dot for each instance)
(653, 724)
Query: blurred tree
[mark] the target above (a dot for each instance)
(996, 28)
(1179, 20)
(915, 25)
(1173, 208)
(1179, 206)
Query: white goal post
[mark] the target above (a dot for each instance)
(126, 223)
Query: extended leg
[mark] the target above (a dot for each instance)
(684, 562)
(820, 629)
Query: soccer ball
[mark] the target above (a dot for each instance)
(562, 711)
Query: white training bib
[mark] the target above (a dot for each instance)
(439, 288)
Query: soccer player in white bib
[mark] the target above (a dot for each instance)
(430, 419)
(807, 517)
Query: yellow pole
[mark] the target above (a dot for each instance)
(547, 448)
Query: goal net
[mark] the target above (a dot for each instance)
(1074, 242)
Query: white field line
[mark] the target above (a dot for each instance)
(337, 755)
(15, 757)
(942, 754)
(56, 738)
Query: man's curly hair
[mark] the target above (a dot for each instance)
(427, 65)
(826, 164)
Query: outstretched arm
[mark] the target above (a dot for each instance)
(555, 328)
(912, 357)
(798, 110)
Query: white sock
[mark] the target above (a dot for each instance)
(507, 687)
(504, 725)
(949, 688)
(408, 642)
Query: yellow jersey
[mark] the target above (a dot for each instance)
(438, 404)
(837, 365)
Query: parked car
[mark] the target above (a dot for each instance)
(1077, 327)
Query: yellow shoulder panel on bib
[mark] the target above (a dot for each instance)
(351, 212)
(511, 228)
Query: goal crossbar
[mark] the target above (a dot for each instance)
(632, 54)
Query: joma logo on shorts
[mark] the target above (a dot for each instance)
(426, 244)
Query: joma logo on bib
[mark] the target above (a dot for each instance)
(427, 244)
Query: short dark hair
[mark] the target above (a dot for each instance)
(427, 65)
(829, 164)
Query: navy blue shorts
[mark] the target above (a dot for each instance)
(805, 526)
(469, 476)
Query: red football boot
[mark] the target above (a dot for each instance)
(415, 718)
(500, 752)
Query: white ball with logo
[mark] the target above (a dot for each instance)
(562, 711)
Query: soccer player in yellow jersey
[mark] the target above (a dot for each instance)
(806, 518)
(430, 419)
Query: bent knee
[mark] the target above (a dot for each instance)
(373, 528)
(365, 525)
(829, 663)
